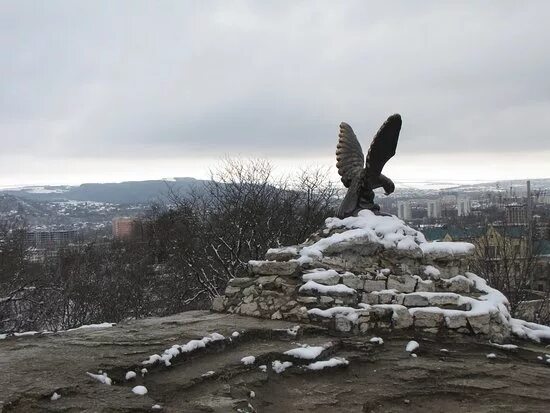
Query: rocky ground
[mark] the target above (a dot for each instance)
(379, 377)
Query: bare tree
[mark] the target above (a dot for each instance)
(242, 211)
(507, 263)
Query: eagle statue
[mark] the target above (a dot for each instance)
(361, 178)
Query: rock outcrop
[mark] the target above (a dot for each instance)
(368, 273)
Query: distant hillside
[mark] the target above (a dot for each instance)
(119, 193)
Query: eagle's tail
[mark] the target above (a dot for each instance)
(350, 201)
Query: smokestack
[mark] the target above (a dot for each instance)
(529, 205)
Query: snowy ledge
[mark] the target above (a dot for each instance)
(389, 231)
(44, 332)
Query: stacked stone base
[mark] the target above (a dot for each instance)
(361, 286)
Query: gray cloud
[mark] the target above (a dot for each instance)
(181, 78)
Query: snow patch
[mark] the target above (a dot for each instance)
(510, 347)
(248, 360)
(306, 352)
(312, 286)
(412, 346)
(130, 375)
(348, 312)
(333, 362)
(377, 340)
(177, 349)
(55, 396)
(140, 390)
(102, 378)
(389, 231)
(279, 367)
(532, 331)
(320, 275)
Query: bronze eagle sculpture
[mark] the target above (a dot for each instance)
(361, 178)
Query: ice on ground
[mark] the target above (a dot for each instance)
(143, 372)
(102, 378)
(251, 394)
(348, 312)
(412, 346)
(248, 360)
(263, 368)
(444, 350)
(491, 356)
(306, 352)
(312, 286)
(55, 396)
(140, 390)
(130, 375)
(377, 340)
(293, 331)
(3, 336)
(177, 349)
(413, 355)
(235, 334)
(156, 407)
(279, 367)
(208, 373)
(333, 362)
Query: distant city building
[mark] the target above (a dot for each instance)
(516, 214)
(434, 209)
(50, 239)
(404, 210)
(125, 228)
(463, 206)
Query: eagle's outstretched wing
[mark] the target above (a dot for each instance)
(349, 155)
(383, 146)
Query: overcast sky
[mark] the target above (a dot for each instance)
(94, 91)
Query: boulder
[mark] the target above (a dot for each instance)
(401, 318)
(456, 320)
(230, 291)
(444, 299)
(480, 323)
(241, 282)
(425, 286)
(342, 324)
(427, 319)
(374, 285)
(415, 300)
(218, 304)
(353, 281)
(274, 267)
(281, 254)
(401, 283)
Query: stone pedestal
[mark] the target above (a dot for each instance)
(367, 273)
